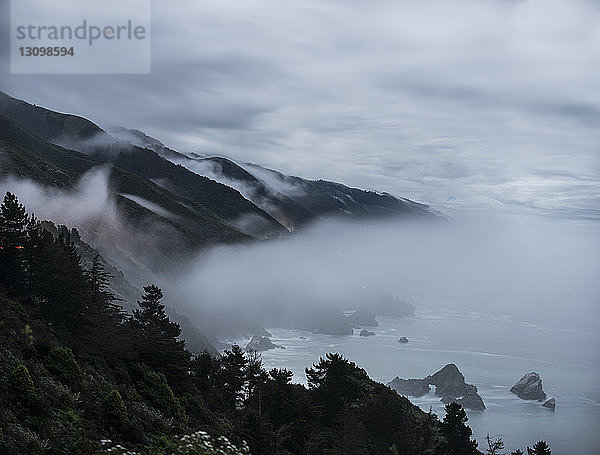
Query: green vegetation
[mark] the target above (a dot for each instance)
(80, 376)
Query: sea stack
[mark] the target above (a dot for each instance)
(550, 404)
(529, 387)
(449, 384)
(260, 343)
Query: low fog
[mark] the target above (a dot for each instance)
(530, 269)
(535, 271)
(88, 202)
(92, 207)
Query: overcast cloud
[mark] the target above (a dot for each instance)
(466, 105)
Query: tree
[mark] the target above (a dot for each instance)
(281, 376)
(232, 375)
(428, 426)
(103, 318)
(517, 452)
(539, 448)
(336, 381)
(157, 335)
(204, 369)
(457, 434)
(495, 445)
(13, 221)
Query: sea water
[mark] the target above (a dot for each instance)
(493, 351)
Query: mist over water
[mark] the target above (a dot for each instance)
(499, 298)
(539, 271)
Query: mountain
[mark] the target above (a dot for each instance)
(254, 199)
(181, 228)
(197, 191)
(293, 201)
(169, 205)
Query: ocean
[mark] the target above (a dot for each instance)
(493, 351)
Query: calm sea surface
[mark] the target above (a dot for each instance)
(493, 352)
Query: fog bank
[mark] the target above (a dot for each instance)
(538, 271)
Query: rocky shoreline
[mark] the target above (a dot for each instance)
(449, 384)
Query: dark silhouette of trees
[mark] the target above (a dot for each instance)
(103, 318)
(336, 381)
(231, 375)
(495, 445)
(76, 369)
(539, 448)
(157, 337)
(13, 221)
(456, 433)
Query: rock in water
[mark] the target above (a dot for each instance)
(261, 343)
(335, 326)
(449, 384)
(366, 333)
(550, 404)
(410, 387)
(403, 340)
(363, 318)
(529, 387)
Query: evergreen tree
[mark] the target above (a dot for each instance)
(539, 448)
(157, 335)
(232, 375)
(429, 426)
(336, 381)
(456, 432)
(517, 452)
(102, 317)
(151, 314)
(495, 445)
(204, 369)
(13, 221)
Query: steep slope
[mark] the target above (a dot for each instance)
(255, 199)
(293, 201)
(324, 198)
(187, 226)
(285, 210)
(84, 136)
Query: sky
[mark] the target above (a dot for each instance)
(469, 106)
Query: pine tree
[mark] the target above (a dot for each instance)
(539, 448)
(232, 375)
(428, 426)
(495, 445)
(103, 318)
(456, 432)
(151, 315)
(337, 382)
(13, 221)
(157, 337)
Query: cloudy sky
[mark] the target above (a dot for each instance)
(465, 105)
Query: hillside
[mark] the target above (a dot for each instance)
(190, 226)
(79, 376)
(293, 201)
(79, 134)
(257, 200)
